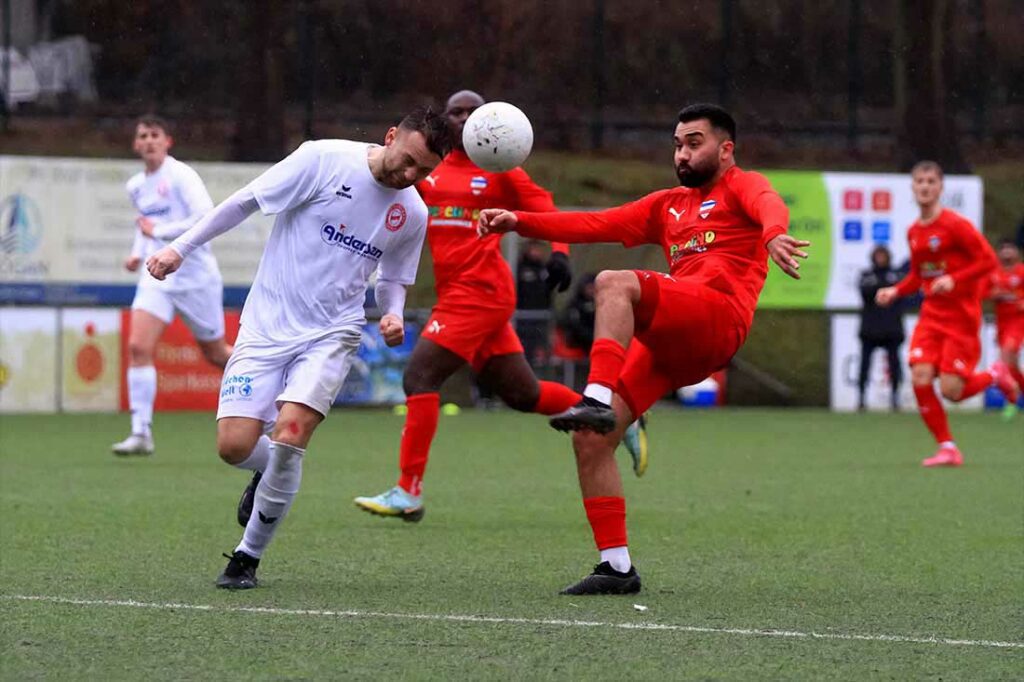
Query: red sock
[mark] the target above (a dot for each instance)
(932, 412)
(606, 359)
(555, 398)
(607, 517)
(420, 426)
(976, 383)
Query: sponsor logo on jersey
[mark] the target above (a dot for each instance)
(432, 179)
(395, 217)
(932, 270)
(345, 191)
(157, 210)
(477, 184)
(676, 214)
(698, 243)
(237, 386)
(705, 207)
(335, 236)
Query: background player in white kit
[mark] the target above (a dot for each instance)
(344, 210)
(170, 197)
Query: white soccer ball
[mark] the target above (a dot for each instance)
(497, 137)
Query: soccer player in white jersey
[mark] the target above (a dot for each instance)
(344, 210)
(169, 197)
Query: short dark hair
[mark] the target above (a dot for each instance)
(154, 121)
(1006, 241)
(719, 118)
(433, 126)
(926, 167)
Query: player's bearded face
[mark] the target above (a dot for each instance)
(698, 153)
(698, 169)
(407, 160)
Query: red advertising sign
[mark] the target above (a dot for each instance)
(185, 380)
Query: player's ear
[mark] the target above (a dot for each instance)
(389, 137)
(726, 149)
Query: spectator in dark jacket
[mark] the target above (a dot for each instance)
(533, 295)
(578, 319)
(880, 327)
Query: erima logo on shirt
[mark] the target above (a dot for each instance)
(335, 236)
(344, 191)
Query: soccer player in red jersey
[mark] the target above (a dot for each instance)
(476, 298)
(949, 261)
(656, 332)
(1006, 288)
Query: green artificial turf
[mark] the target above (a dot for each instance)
(792, 520)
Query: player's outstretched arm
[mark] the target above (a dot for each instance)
(496, 221)
(224, 217)
(886, 295)
(785, 250)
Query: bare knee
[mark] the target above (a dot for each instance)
(922, 375)
(139, 354)
(951, 387)
(233, 450)
(420, 379)
(590, 447)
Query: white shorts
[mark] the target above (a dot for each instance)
(202, 309)
(262, 374)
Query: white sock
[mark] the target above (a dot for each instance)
(141, 394)
(599, 392)
(618, 557)
(258, 458)
(947, 444)
(274, 497)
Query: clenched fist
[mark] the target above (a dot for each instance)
(163, 262)
(392, 329)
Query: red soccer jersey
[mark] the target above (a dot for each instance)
(463, 263)
(1006, 288)
(715, 236)
(949, 245)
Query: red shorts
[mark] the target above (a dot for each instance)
(1010, 333)
(474, 333)
(951, 353)
(685, 331)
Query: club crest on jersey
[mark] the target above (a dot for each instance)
(705, 207)
(934, 242)
(477, 184)
(395, 217)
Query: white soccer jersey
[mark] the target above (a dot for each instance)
(174, 198)
(335, 226)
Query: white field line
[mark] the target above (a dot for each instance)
(455, 618)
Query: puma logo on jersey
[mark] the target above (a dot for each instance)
(432, 180)
(677, 214)
(434, 327)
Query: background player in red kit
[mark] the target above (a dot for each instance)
(949, 261)
(476, 299)
(1006, 288)
(717, 231)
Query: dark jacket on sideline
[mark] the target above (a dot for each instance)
(876, 323)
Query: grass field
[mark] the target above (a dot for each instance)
(797, 521)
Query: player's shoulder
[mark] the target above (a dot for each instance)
(738, 179)
(953, 218)
(180, 170)
(662, 197)
(135, 181)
